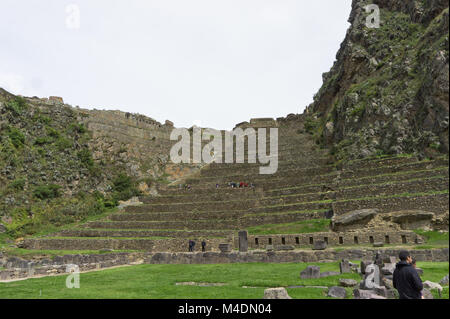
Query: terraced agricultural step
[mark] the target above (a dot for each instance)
(283, 182)
(398, 177)
(177, 216)
(394, 187)
(234, 168)
(256, 219)
(154, 225)
(220, 194)
(194, 207)
(436, 203)
(144, 233)
(149, 245)
(245, 174)
(422, 165)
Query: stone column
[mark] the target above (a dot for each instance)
(243, 241)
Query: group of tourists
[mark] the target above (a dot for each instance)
(240, 185)
(192, 245)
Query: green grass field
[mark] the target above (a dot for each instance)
(159, 282)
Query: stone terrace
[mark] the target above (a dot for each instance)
(307, 186)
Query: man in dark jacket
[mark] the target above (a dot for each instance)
(406, 279)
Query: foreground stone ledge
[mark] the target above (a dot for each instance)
(436, 255)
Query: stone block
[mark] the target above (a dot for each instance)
(329, 274)
(366, 294)
(337, 292)
(225, 248)
(388, 269)
(364, 265)
(444, 281)
(344, 266)
(243, 241)
(310, 272)
(284, 247)
(276, 293)
(348, 282)
(320, 245)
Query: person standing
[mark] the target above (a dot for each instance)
(406, 279)
(203, 245)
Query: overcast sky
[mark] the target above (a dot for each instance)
(213, 63)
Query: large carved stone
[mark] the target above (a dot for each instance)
(353, 220)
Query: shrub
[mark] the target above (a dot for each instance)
(42, 140)
(47, 191)
(17, 184)
(16, 136)
(52, 132)
(63, 143)
(77, 128)
(85, 157)
(16, 106)
(124, 187)
(311, 125)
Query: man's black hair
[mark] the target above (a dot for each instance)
(403, 255)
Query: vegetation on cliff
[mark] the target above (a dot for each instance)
(48, 176)
(387, 92)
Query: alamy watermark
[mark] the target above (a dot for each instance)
(214, 151)
(73, 280)
(73, 17)
(373, 19)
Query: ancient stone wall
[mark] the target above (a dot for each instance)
(333, 239)
(16, 268)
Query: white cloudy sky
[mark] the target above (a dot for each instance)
(207, 62)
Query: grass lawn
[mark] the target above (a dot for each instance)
(158, 282)
(434, 238)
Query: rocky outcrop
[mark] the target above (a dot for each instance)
(387, 92)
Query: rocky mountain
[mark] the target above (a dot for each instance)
(388, 90)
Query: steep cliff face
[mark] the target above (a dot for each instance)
(387, 92)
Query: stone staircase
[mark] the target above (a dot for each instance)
(307, 186)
